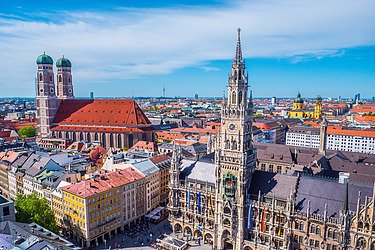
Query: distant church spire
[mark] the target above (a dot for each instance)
(238, 56)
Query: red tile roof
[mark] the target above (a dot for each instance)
(107, 113)
(338, 130)
(159, 158)
(103, 183)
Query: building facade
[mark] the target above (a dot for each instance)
(223, 200)
(96, 209)
(303, 137)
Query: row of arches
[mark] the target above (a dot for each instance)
(106, 139)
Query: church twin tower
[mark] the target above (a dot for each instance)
(47, 101)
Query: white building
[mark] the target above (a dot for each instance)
(336, 138)
(351, 139)
(308, 137)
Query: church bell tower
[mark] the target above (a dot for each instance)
(46, 100)
(234, 159)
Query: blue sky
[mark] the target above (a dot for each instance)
(125, 48)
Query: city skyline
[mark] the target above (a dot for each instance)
(136, 49)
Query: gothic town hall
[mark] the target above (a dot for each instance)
(223, 200)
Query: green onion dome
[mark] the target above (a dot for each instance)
(298, 99)
(44, 59)
(63, 62)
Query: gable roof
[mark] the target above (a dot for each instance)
(114, 113)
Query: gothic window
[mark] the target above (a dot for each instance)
(361, 243)
(60, 78)
(226, 222)
(318, 232)
(335, 235)
(66, 135)
(130, 139)
(81, 136)
(111, 141)
(330, 233)
(233, 97)
(227, 210)
(301, 226)
(312, 229)
(104, 140)
(240, 97)
(40, 77)
(96, 137)
(74, 137)
(119, 142)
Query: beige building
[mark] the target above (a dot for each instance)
(98, 208)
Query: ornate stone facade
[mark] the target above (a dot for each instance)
(225, 202)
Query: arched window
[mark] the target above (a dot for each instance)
(312, 229)
(301, 226)
(233, 97)
(103, 141)
(318, 231)
(96, 137)
(240, 97)
(335, 235)
(81, 136)
(111, 141)
(88, 137)
(66, 135)
(74, 136)
(130, 139)
(227, 210)
(330, 233)
(40, 77)
(361, 243)
(119, 141)
(60, 78)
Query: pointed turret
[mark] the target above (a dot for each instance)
(345, 202)
(238, 57)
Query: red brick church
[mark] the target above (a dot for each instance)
(112, 122)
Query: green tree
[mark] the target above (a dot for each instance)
(27, 131)
(31, 208)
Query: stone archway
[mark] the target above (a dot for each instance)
(226, 240)
(177, 228)
(208, 239)
(198, 234)
(188, 231)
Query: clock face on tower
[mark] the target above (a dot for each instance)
(232, 127)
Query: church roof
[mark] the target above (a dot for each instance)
(110, 115)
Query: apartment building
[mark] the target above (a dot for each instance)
(97, 208)
(302, 136)
(350, 139)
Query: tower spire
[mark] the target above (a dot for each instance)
(238, 56)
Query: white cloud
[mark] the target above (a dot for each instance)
(129, 43)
